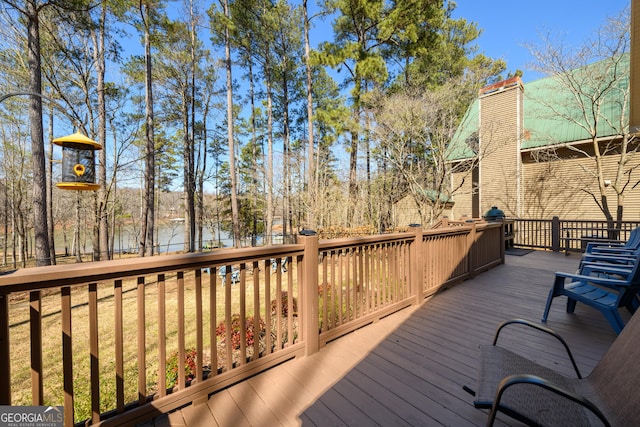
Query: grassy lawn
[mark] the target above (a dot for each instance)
(52, 336)
(338, 291)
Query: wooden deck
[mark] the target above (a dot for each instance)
(409, 368)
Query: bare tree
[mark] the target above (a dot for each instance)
(588, 82)
(414, 130)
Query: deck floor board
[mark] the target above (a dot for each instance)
(409, 368)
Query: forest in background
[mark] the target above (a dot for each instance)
(234, 106)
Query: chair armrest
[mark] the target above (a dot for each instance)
(611, 258)
(541, 382)
(611, 245)
(542, 329)
(606, 245)
(604, 281)
(612, 249)
(587, 268)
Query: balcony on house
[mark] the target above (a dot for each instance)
(377, 330)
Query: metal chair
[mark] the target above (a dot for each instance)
(540, 396)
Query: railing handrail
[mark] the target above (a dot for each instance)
(566, 234)
(54, 276)
(342, 242)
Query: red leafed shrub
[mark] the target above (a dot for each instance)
(322, 288)
(189, 366)
(284, 300)
(251, 334)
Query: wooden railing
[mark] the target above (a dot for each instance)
(567, 235)
(107, 339)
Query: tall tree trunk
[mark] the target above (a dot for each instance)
(232, 157)
(203, 168)
(353, 155)
(114, 191)
(42, 250)
(189, 179)
(5, 229)
(269, 165)
(148, 221)
(50, 223)
(102, 210)
(254, 148)
(197, 220)
(287, 220)
(14, 224)
(353, 177)
(312, 189)
(367, 145)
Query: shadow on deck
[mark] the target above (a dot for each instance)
(409, 368)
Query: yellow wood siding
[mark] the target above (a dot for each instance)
(405, 212)
(462, 184)
(556, 188)
(500, 160)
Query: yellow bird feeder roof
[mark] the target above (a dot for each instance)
(77, 138)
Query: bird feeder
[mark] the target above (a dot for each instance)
(78, 162)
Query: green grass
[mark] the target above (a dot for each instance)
(52, 335)
(52, 338)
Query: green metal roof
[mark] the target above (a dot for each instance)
(460, 148)
(432, 195)
(552, 114)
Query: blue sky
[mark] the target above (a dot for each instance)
(508, 25)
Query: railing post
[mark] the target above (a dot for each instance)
(555, 234)
(503, 241)
(5, 365)
(471, 268)
(416, 261)
(309, 288)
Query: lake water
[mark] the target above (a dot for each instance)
(169, 238)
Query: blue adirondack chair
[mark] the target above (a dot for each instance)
(602, 286)
(222, 273)
(619, 260)
(630, 246)
(235, 274)
(617, 255)
(274, 265)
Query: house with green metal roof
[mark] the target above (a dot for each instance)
(535, 150)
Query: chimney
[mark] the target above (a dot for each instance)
(501, 119)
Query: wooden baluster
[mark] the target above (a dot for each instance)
(67, 356)
(94, 352)
(35, 322)
(162, 336)
(142, 365)
(199, 326)
(119, 345)
(182, 384)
